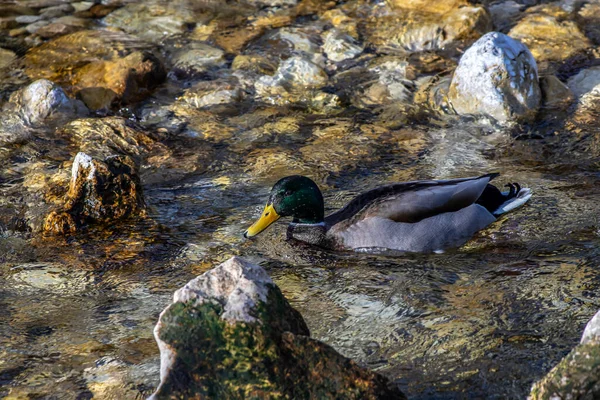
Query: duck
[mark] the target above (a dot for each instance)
(419, 216)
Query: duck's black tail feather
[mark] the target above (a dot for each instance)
(498, 203)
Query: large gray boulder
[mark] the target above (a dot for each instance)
(230, 334)
(497, 77)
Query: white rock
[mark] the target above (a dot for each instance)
(592, 330)
(236, 284)
(41, 100)
(496, 77)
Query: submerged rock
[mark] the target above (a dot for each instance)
(419, 26)
(297, 81)
(112, 62)
(130, 79)
(577, 376)
(548, 35)
(585, 81)
(231, 334)
(196, 60)
(555, 94)
(339, 46)
(43, 100)
(153, 21)
(99, 192)
(496, 77)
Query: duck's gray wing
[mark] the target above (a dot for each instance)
(411, 201)
(439, 232)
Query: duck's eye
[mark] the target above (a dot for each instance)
(267, 213)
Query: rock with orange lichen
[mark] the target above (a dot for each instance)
(100, 192)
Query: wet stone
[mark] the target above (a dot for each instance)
(549, 37)
(422, 27)
(230, 333)
(130, 78)
(196, 60)
(555, 94)
(585, 81)
(153, 21)
(339, 46)
(99, 192)
(496, 77)
(577, 376)
(6, 57)
(213, 93)
(43, 100)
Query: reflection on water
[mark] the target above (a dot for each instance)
(76, 314)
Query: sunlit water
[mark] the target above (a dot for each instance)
(486, 320)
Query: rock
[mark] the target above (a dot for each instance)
(272, 3)
(496, 77)
(130, 78)
(151, 22)
(585, 81)
(230, 333)
(390, 85)
(505, 14)
(43, 100)
(99, 192)
(254, 63)
(33, 28)
(297, 80)
(577, 376)
(211, 93)
(103, 137)
(549, 37)
(589, 20)
(591, 333)
(339, 46)
(59, 59)
(284, 43)
(418, 26)
(56, 29)
(27, 19)
(6, 58)
(197, 60)
(555, 94)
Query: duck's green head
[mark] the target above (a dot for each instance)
(293, 196)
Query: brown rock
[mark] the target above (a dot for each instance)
(419, 26)
(60, 58)
(549, 36)
(130, 78)
(99, 192)
(555, 94)
(56, 29)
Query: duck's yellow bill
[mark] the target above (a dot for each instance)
(268, 216)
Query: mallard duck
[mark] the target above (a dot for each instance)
(418, 216)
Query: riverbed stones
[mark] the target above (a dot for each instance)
(151, 22)
(196, 61)
(555, 94)
(585, 81)
(130, 78)
(43, 100)
(99, 192)
(418, 26)
(496, 77)
(577, 376)
(59, 59)
(339, 46)
(549, 35)
(230, 333)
